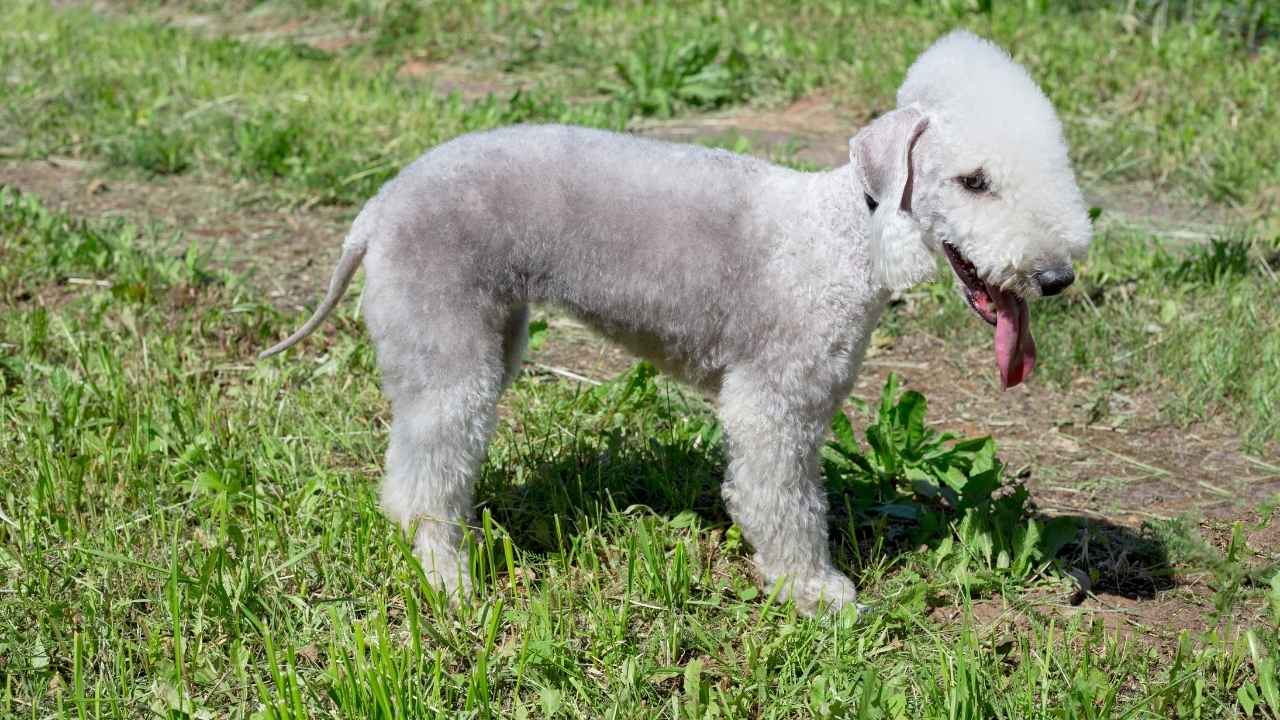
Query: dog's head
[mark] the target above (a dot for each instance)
(973, 166)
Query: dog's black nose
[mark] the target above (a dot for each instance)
(1053, 282)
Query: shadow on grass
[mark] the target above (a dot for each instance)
(546, 504)
(1120, 560)
(1117, 560)
(576, 488)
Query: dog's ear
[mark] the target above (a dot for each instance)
(882, 155)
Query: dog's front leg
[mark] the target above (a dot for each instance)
(773, 489)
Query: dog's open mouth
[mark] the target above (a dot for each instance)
(1015, 348)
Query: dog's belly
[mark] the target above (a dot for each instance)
(701, 367)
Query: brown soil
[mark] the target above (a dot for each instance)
(812, 130)
(1126, 464)
(247, 21)
(1156, 623)
(448, 78)
(289, 251)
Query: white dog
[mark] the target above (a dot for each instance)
(757, 284)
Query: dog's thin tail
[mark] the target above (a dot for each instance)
(352, 254)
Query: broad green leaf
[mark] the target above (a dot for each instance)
(1027, 543)
(979, 486)
(842, 429)
(537, 334)
(1056, 534)
(910, 416)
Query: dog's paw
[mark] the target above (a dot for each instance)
(444, 566)
(829, 592)
(456, 586)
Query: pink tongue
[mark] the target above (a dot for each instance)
(1015, 348)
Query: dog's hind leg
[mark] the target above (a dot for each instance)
(773, 488)
(443, 377)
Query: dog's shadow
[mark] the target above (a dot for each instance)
(544, 500)
(1119, 560)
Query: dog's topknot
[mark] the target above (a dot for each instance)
(978, 87)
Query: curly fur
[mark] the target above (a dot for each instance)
(758, 284)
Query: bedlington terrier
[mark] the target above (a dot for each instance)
(757, 284)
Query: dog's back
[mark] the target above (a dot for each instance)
(654, 243)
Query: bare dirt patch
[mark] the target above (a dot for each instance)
(268, 23)
(1156, 623)
(288, 250)
(247, 21)
(469, 83)
(1176, 220)
(812, 130)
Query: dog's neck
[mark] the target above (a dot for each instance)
(837, 198)
(838, 195)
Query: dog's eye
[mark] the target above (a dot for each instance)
(975, 182)
(871, 203)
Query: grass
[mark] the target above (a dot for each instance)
(185, 534)
(332, 132)
(1184, 105)
(1172, 93)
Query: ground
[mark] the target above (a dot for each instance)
(1179, 539)
(1125, 467)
